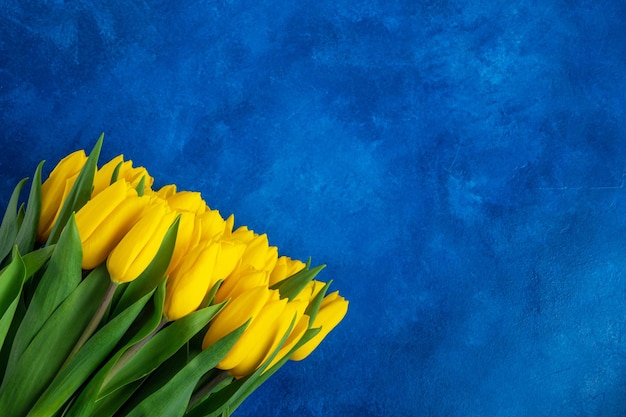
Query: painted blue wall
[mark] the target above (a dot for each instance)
(459, 165)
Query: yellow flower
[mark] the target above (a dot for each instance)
(259, 254)
(187, 238)
(137, 249)
(126, 171)
(241, 280)
(284, 268)
(187, 201)
(103, 176)
(55, 189)
(106, 219)
(166, 191)
(332, 311)
(270, 317)
(294, 309)
(188, 284)
(213, 226)
(227, 260)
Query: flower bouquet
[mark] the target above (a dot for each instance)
(120, 300)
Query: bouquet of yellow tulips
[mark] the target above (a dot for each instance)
(120, 300)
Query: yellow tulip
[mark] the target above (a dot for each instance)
(106, 219)
(230, 254)
(166, 191)
(103, 176)
(241, 280)
(228, 227)
(332, 310)
(137, 249)
(187, 238)
(134, 175)
(213, 226)
(270, 317)
(284, 268)
(258, 254)
(187, 201)
(294, 309)
(55, 189)
(188, 284)
(237, 312)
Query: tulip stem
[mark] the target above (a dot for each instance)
(207, 388)
(94, 323)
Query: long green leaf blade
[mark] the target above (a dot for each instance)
(9, 226)
(25, 239)
(47, 352)
(146, 323)
(172, 399)
(291, 287)
(63, 274)
(76, 372)
(163, 345)
(11, 281)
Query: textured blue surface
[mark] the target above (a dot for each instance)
(459, 165)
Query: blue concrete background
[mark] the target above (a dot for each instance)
(459, 165)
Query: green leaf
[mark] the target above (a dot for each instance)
(63, 274)
(291, 287)
(9, 226)
(116, 172)
(25, 239)
(154, 273)
(147, 323)
(11, 281)
(47, 352)
(158, 349)
(36, 259)
(316, 303)
(95, 350)
(172, 399)
(110, 404)
(141, 186)
(80, 192)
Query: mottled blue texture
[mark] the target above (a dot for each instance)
(459, 165)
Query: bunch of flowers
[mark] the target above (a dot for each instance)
(118, 299)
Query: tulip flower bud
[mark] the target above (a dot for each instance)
(187, 201)
(134, 175)
(187, 237)
(105, 220)
(241, 280)
(332, 311)
(104, 174)
(137, 249)
(188, 284)
(55, 189)
(230, 254)
(294, 309)
(284, 268)
(166, 191)
(213, 225)
(270, 319)
(237, 312)
(126, 171)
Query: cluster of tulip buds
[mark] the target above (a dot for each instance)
(123, 225)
